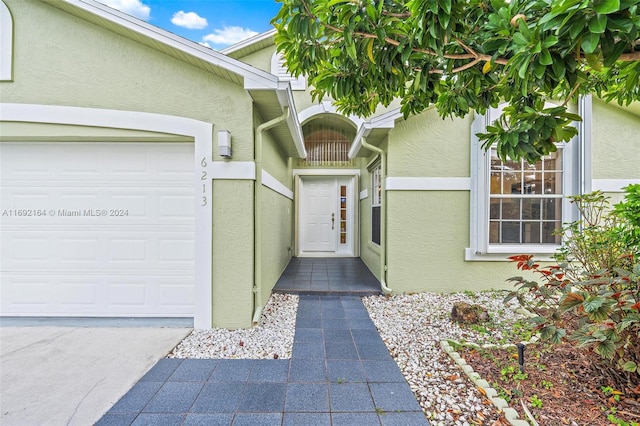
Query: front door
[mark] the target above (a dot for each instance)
(326, 216)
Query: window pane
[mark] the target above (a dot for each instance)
(494, 232)
(553, 183)
(494, 209)
(551, 209)
(548, 229)
(510, 208)
(510, 232)
(375, 225)
(552, 162)
(531, 209)
(496, 183)
(512, 165)
(512, 183)
(531, 232)
(532, 183)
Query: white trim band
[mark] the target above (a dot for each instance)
(364, 193)
(428, 184)
(233, 170)
(274, 184)
(612, 185)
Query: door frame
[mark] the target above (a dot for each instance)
(353, 174)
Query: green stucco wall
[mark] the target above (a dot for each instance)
(277, 216)
(63, 60)
(615, 143)
(277, 225)
(427, 145)
(60, 59)
(232, 262)
(427, 234)
(260, 59)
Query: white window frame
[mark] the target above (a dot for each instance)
(480, 248)
(6, 43)
(280, 70)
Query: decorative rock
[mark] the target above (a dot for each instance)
(465, 313)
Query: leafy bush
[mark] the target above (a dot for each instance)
(594, 286)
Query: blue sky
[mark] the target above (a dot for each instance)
(215, 23)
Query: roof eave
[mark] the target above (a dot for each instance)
(386, 121)
(257, 77)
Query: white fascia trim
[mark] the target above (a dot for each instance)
(285, 97)
(428, 184)
(386, 120)
(356, 145)
(248, 42)
(262, 79)
(383, 121)
(612, 185)
(6, 43)
(364, 193)
(242, 170)
(326, 107)
(272, 183)
(202, 134)
(470, 255)
(326, 172)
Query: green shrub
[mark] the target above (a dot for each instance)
(594, 286)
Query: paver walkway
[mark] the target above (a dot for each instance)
(344, 276)
(340, 373)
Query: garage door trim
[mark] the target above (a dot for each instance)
(200, 131)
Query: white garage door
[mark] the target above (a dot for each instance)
(97, 229)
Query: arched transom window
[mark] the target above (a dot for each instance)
(327, 144)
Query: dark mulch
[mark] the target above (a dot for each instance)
(562, 385)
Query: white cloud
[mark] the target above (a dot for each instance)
(229, 35)
(205, 44)
(130, 7)
(189, 20)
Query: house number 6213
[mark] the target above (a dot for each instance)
(204, 186)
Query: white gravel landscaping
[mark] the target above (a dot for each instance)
(272, 338)
(411, 326)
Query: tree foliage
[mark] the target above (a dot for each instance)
(463, 55)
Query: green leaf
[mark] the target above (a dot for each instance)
(558, 68)
(590, 42)
(545, 57)
(630, 366)
(606, 6)
(549, 41)
(334, 2)
(598, 24)
(606, 349)
(518, 38)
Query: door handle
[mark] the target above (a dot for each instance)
(333, 220)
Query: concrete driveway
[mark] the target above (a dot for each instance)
(72, 375)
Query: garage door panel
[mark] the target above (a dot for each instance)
(128, 249)
(114, 236)
(91, 295)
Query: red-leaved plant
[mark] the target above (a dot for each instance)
(594, 286)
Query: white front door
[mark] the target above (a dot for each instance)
(326, 216)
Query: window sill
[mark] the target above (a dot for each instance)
(471, 255)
